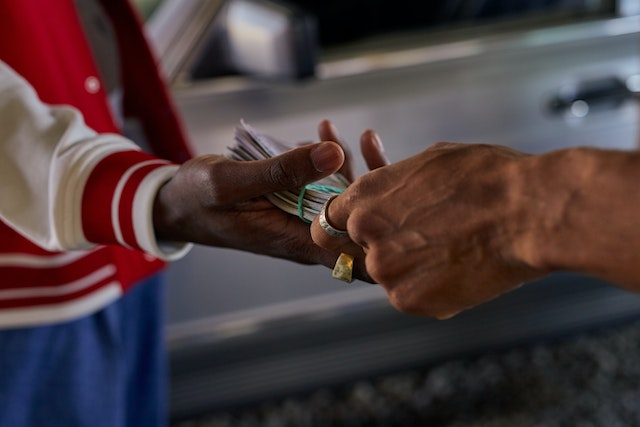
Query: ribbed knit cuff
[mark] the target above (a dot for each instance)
(117, 203)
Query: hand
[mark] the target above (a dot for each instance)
(373, 153)
(437, 228)
(216, 201)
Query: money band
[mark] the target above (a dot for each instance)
(324, 224)
(323, 188)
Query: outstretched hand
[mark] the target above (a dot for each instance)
(216, 201)
(437, 228)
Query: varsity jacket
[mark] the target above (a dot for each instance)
(76, 197)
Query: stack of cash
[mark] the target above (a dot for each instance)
(305, 202)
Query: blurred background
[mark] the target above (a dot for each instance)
(535, 75)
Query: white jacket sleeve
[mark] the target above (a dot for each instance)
(65, 187)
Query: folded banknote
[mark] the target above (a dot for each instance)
(304, 202)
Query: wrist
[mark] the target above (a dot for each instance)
(577, 210)
(164, 214)
(547, 190)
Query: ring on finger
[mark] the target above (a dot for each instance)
(343, 270)
(324, 223)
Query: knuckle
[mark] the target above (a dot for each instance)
(368, 230)
(405, 302)
(399, 301)
(443, 145)
(366, 184)
(283, 176)
(376, 265)
(418, 299)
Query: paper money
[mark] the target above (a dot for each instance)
(305, 202)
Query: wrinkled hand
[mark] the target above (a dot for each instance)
(437, 228)
(216, 201)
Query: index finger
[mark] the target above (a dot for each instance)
(336, 208)
(328, 132)
(373, 150)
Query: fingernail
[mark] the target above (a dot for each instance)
(325, 157)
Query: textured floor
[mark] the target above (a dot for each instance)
(587, 380)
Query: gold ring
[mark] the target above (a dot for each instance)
(343, 270)
(322, 219)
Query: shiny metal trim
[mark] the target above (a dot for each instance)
(176, 30)
(376, 61)
(387, 54)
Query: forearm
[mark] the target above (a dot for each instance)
(66, 187)
(577, 210)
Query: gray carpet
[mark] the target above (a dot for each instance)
(586, 380)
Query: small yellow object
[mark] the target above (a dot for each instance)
(344, 268)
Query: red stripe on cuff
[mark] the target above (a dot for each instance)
(125, 208)
(99, 192)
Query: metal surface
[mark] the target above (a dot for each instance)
(178, 29)
(270, 327)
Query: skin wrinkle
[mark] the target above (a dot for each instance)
(279, 174)
(434, 195)
(367, 226)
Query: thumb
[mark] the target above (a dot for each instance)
(291, 170)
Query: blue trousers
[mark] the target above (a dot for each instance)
(108, 369)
